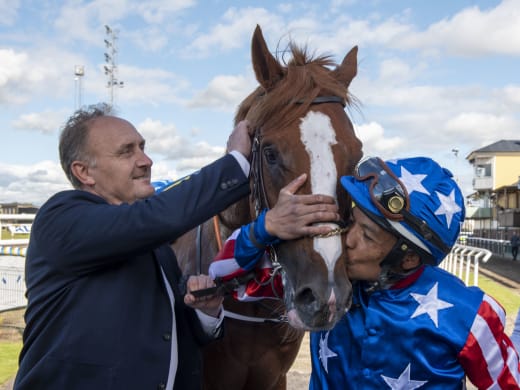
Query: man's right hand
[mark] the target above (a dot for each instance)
(293, 215)
(240, 139)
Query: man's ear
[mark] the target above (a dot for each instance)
(410, 261)
(80, 170)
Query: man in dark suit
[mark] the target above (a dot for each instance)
(105, 308)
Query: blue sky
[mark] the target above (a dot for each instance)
(433, 76)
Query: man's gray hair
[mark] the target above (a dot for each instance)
(74, 135)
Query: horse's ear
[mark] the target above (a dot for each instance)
(267, 69)
(348, 68)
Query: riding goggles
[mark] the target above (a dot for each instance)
(387, 192)
(390, 197)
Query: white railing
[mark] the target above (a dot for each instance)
(463, 259)
(12, 260)
(17, 217)
(12, 283)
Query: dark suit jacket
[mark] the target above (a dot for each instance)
(98, 314)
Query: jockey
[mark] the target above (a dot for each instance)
(411, 325)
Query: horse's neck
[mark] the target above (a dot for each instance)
(197, 248)
(235, 216)
(208, 238)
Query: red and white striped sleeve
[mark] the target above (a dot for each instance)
(489, 357)
(264, 285)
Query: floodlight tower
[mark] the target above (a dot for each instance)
(111, 62)
(79, 72)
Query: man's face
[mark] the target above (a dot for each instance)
(121, 170)
(367, 245)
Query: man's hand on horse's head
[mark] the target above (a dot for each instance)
(240, 139)
(294, 216)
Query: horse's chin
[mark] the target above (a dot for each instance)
(296, 322)
(318, 321)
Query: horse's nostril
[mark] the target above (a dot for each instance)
(305, 297)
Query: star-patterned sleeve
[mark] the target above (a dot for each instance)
(488, 357)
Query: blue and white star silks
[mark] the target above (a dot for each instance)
(413, 182)
(430, 304)
(325, 352)
(448, 206)
(403, 382)
(429, 333)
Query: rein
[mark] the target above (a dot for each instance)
(216, 227)
(198, 242)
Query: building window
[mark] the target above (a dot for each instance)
(483, 170)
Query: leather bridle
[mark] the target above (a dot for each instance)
(259, 194)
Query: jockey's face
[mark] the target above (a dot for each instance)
(367, 245)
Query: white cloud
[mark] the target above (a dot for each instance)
(154, 86)
(233, 32)
(483, 128)
(45, 122)
(473, 32)
(164, 140)
(31, 183)
(12, 64)
(155, 12)
(224, 92)
(376, 143)
(31, 74)
(394, 71)
(511, 95)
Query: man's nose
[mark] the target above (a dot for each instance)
(144, 160)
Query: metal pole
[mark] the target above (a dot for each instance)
(79, 72)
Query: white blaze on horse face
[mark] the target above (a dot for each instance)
(318, 136)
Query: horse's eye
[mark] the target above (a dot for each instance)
(270, 155)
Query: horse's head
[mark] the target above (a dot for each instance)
(301, 127)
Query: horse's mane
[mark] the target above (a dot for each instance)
(304, 78)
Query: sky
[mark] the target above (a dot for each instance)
(435, 78)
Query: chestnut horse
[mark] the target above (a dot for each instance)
(300, 127)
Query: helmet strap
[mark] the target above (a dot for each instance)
(392, 269)
(392, 260)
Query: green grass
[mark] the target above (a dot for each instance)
(509, 298)
(7, 235)
(8, 359)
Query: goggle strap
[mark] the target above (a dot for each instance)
(398, 251)
(424, 230)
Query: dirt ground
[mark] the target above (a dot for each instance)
(11, 325)
(298, 375)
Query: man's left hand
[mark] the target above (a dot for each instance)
(211, 304)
